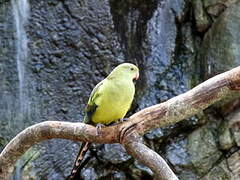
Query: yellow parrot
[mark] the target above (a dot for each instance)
(109, 102)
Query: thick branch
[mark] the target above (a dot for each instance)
(169, 112)
(150, 158)
(44, 131)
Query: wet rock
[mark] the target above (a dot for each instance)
(188, 40)
(9, 85)
(216, 9)
(24, 171)
(113, 153)
(203, 150)
(229, 135)
(210, 3)
(220, 171)
(46, 162)
(154, 134)
(176, 153)
(234, 125)
(221, 50)
(37, 68)
(3, 142)
(139, 171)
(143, 168)
(226, 140)
(88, 174)
(233, 163)
(119, 176)
(203, 22)
(64, 110)
(96, 168)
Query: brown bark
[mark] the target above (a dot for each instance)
(145, 155)
(127, 133)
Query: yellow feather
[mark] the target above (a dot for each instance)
(114, 95)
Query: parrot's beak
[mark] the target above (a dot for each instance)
(137, 76)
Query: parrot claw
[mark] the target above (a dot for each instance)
(99, 126)
(120, 121)
(123, 119)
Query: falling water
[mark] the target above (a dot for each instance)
(20, 14)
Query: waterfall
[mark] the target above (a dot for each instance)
(21, 14)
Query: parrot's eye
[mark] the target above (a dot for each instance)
(131, 69)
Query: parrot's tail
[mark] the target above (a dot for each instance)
(75, 174)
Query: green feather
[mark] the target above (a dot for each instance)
(111, 98)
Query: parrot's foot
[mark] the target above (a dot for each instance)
(99, 126)
(122, 120)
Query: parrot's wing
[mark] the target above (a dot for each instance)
(91, 106)
(95, 93)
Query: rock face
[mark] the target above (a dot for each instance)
(221, 50)
(73, 44)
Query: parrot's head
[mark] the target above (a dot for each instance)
(127, 70)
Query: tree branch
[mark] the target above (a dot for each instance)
(169, 112)
(150, 158)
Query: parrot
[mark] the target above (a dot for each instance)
(109, 102)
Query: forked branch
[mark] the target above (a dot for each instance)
(127, 133)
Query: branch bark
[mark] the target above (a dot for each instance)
(145, 155)
(169, 112)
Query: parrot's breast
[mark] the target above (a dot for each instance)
(115, 100)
